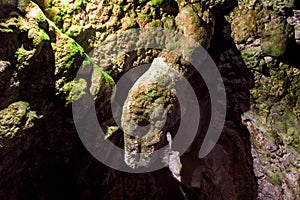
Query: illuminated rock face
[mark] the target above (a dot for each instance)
(152, 105)
(42, 49)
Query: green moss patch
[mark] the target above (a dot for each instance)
(16, 118)
(157, 2)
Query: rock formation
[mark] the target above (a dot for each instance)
(254, 43)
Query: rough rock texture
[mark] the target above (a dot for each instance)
(42, 46)
(269, 44)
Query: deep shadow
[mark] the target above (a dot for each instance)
(235, 138)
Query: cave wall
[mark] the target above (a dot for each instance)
(43, 44)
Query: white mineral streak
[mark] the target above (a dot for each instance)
(171, 158)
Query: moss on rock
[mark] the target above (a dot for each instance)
(276, 36)
(192, 25)
(73, 90)
(157, 2)
(16, 118)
